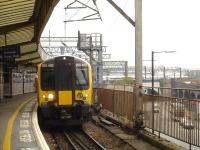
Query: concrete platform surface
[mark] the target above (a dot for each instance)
(15, 121)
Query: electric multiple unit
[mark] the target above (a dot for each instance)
(65, 89)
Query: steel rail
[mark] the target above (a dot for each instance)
(75, 141)
(57, 142)
(93, 140)
(86, 142)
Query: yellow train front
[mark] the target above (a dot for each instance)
(65, 90)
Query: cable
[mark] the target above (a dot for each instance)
(77, 11)
(114, 21)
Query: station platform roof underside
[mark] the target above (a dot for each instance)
(21, 25)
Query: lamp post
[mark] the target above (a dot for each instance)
(152, 74)
(145, 68)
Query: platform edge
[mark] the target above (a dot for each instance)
(42, 144)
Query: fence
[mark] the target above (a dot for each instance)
(173, 112)
(18, 83)
(117, 99)
(177, 115)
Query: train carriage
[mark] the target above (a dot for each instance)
(65, 90)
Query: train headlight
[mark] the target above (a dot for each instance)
(86, 95)
(80, 95)
(50, 96)
(43, 96)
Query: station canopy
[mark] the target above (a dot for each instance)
(21, 25)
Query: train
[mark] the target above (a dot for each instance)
(65, 90)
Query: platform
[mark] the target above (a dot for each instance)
(16, 130)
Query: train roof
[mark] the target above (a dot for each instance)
(51, 59)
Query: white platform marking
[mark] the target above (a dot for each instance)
(29, 109)
(29, 149)
(24, 123)
(25, 115)
(25, 136)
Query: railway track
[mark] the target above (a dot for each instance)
(75, 139)
(60, 142)
(82, 141)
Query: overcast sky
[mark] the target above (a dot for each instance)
(172, 25)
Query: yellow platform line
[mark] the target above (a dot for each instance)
(7, 138)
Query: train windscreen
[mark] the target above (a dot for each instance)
(60, 74)
(82, 76)
(47, 76)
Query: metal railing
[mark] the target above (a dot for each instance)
(176, 115)
(173, 112)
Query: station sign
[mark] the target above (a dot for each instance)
(9, 52)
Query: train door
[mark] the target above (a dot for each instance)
(64, 80)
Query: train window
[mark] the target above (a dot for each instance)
(48, 65)
(82, 76)
(47, 77)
